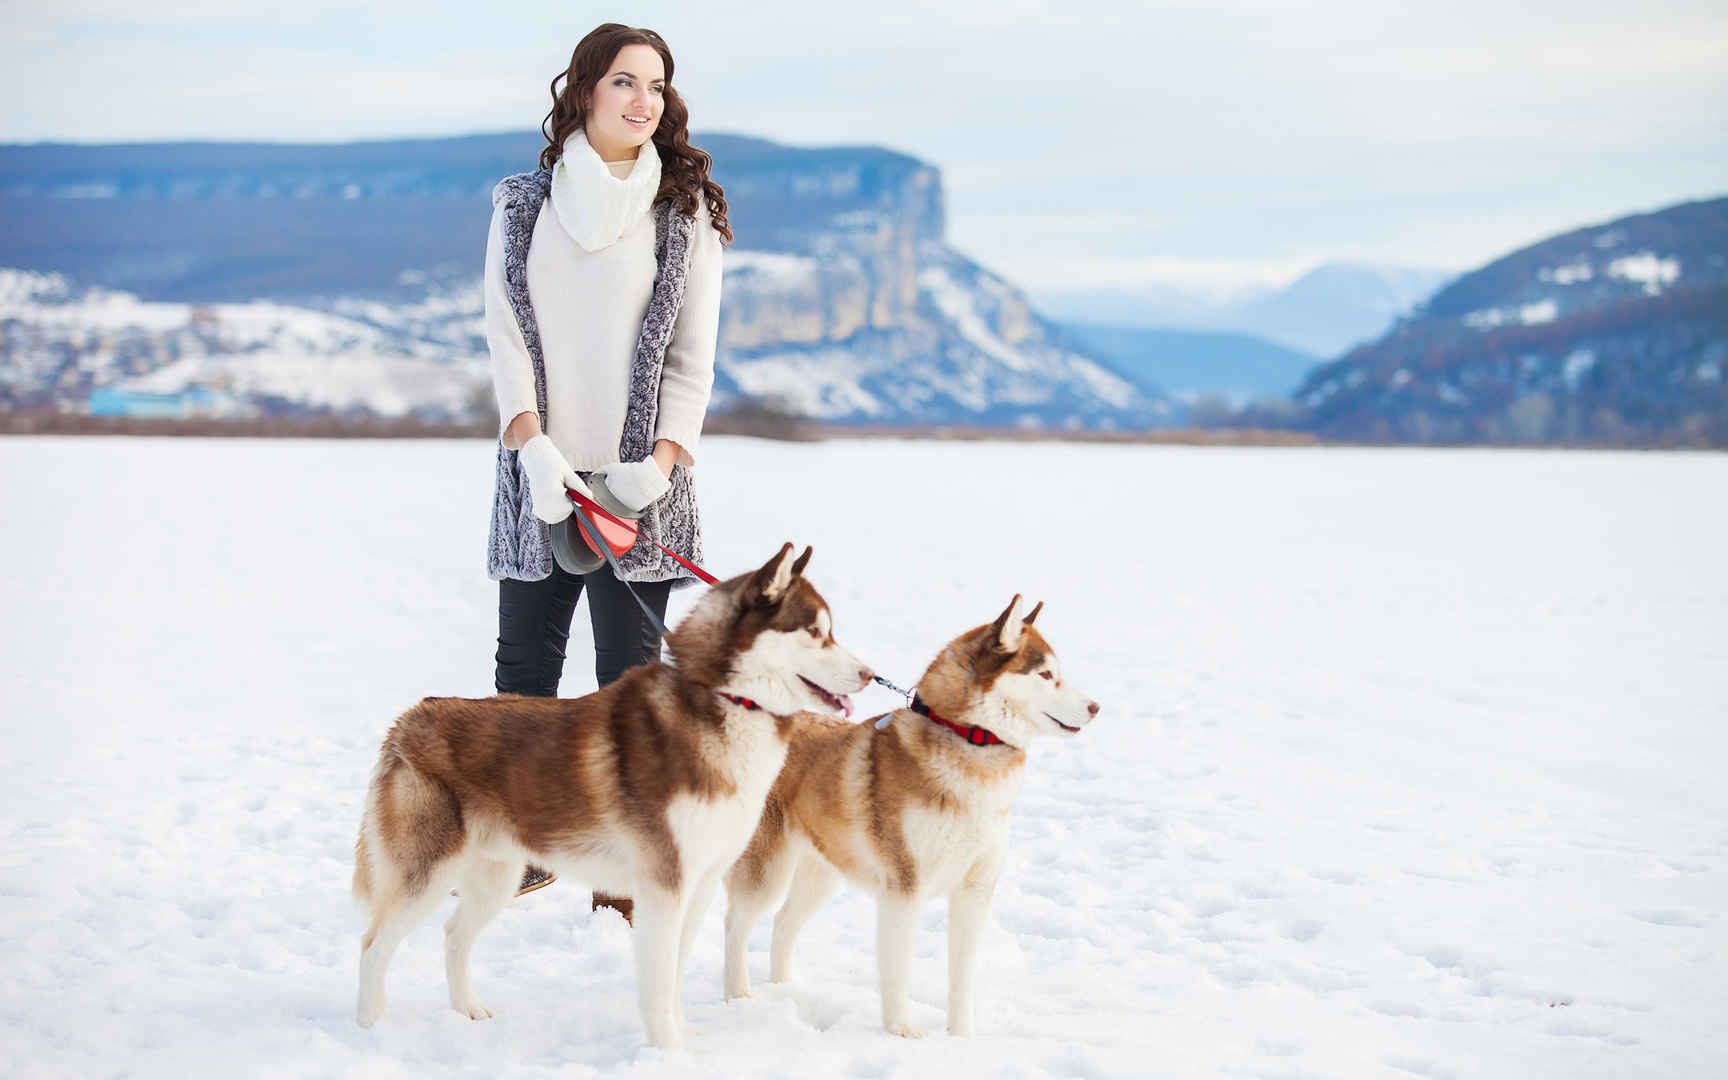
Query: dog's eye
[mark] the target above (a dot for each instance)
(1046, 675)
(815, 631)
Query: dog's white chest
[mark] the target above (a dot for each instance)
(711, 831)
(754, 756)
(945, 844)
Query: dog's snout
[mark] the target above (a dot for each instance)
(1091, 708)
(865, 674)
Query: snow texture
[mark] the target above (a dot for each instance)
(1408, 765)
(1654, 272)
(1533, 314)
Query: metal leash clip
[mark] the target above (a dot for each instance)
(907, 694)
(882, 724)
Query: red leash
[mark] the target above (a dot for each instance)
(593, 507)
(600, 511)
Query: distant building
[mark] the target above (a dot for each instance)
(192, 401)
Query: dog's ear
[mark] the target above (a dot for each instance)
(1006, 630)
(1027, 621)
(768, 585)
(803, 561)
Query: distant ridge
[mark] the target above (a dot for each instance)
(1190, 364)
(256, 279)
(1322, 313)
(1613, 333)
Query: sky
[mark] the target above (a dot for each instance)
(1214, 146)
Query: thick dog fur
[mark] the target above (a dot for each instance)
(909, 810)
(649, 787)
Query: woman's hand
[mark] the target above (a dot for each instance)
(548, 475)
(638, 483)
(635, 483)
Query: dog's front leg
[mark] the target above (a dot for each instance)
(700, 898)
(658, 926)
(968, 911)
(896, 924)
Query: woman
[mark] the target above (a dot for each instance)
(601, 318)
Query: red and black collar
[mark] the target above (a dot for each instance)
(737, 699)
(977, 736)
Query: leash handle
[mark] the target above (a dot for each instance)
(583, 502)
(587, 523)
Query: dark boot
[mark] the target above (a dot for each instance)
(535, 877)
(623, 905)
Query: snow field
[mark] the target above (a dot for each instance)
(1408, 763)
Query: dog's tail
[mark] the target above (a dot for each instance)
(412, 823)
(361, 886)
(369, 845)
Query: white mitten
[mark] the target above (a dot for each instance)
(548, 475)
(635, 483)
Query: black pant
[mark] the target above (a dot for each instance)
(534, 627)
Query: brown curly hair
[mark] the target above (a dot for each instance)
(683, 168)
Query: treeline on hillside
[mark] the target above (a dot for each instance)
(1649, 371)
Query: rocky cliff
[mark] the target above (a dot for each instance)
(841, 297)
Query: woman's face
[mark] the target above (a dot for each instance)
(627, 102)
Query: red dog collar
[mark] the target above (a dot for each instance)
(977, 736)
(736, 700)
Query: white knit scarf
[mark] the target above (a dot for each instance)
(594, 206)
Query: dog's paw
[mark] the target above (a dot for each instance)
(668, 1040)
(369, 1013)
(905, 1031)
(472, 1009)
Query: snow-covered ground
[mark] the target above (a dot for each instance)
(1410, 761)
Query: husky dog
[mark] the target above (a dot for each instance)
(912, 806)
(649, 787)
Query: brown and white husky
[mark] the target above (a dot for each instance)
(649, 787)
(910, 807)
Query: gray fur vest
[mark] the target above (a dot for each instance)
(520, 546)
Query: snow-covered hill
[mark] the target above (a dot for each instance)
(1615, 332)
(967, 351)
(112, 353)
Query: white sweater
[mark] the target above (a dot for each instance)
(589, 305)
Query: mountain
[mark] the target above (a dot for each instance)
(71, 347)
(1192, 364)
(1334, 306)
(234, 278)
(967, 348)
(1611, 333)
(1322, 313)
